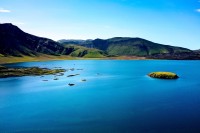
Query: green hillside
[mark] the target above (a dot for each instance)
(140, 47)
(80, 51)
(129, 46)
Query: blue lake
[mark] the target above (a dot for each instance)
(117, 97)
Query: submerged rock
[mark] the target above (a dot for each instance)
(73, 75)
(55, 79)
(71, 84)
(163, 75)
(83, 80)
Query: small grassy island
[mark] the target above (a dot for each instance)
(163, 75)
(27, 71)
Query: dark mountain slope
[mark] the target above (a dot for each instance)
(15, 42)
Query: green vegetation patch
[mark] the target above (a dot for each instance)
(1, 55)
(163, 75)
(80, 51)
(94, 54)
(31, 71)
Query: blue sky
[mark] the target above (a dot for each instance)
(171, 22)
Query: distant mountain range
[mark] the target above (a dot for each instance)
(127, 46)
(15, 42)
(120, 46)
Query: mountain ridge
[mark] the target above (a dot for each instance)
(15, 42)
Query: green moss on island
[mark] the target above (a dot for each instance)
(29, 71)
(163, 75)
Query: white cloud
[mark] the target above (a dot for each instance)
(4, 10)
(198, 10)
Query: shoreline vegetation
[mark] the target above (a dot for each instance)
(44, 57)
(6, 72)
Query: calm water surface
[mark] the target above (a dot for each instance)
(117, 97)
